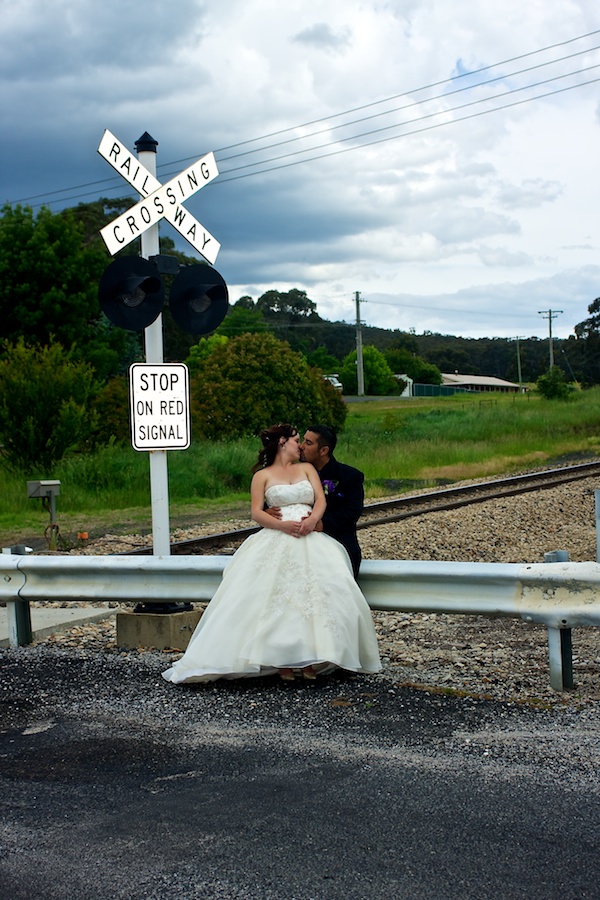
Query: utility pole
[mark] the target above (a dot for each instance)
(519, 365)
(360, 372)
(550, 314)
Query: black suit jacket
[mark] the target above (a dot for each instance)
(344, 506)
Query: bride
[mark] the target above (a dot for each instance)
(288, 601)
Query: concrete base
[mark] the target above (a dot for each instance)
(160, 631)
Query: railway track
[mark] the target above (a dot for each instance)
(388, 511)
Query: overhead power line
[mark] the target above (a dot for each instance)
(400, 305)
(374, 103)
(356, 141)
(421, 118)
(416, 103)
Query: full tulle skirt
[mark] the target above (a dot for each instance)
(283, 602)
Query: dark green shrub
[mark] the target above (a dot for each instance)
(553, 385)
(45, 404)
(112, 412)
(255, 380)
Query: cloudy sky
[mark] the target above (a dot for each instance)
(440, 158)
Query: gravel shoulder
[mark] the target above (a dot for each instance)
(497, 659)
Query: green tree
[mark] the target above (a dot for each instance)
(48, 281)
(379, 378)
(403, 362)
(45, 405)
(587, 346)
(452, 358)
(583, 329)
(95, 215)
(293, 317)
(50, 266)
(200, 352)
(404, 340)
(322, 359)
(242, 320)
(255, 380)
(294, 304)
(49, 275)
(245, 302)
(553, 385)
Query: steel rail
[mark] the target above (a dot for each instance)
(413, 504)
(478, 493)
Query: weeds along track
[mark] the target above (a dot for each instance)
(407, 506)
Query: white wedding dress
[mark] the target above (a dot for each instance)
(284, 602)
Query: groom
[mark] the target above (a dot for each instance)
(343, 486)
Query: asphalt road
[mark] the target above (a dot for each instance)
(115, 784)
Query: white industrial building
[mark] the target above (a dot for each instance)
(479, 383)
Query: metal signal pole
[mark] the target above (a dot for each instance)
(153, 338)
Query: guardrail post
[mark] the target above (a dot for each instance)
(560, 641)
(18, 617)
(560, 652)
(18, 614)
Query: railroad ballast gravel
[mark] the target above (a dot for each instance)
(502, 659)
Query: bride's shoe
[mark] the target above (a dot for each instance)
(286, 675)
(309, 674)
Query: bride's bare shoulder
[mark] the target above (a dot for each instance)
(259, 478)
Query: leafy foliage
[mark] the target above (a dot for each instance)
(553, 385)
(200, 352)
(111, 406)
(242, 320)
(379, 378)
(322, 359)
(294, 304)
(403, 362)
(48, 281)
(255, 380)
(582, 352)
(44, 405)
(49, 273)
(92, 217)
(591, 325)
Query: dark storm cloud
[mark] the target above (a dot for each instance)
(436, 209)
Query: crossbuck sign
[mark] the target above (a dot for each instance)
(159, 200)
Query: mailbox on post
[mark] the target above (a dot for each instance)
(47, 492)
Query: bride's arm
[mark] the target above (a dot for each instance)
(310, 522)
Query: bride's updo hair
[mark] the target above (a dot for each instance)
(270, 438)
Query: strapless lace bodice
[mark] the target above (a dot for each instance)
(294, 500)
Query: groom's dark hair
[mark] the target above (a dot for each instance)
(326, 436)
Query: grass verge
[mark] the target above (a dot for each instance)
(399, 444)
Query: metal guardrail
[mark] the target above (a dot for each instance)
(559, 595)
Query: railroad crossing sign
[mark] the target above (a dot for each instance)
(159, 200)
